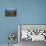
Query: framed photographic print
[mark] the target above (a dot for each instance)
(10, 12)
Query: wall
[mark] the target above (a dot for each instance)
(28, 12)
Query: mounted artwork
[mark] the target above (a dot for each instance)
(10, 12)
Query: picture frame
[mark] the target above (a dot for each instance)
(10, 12)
